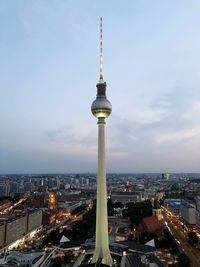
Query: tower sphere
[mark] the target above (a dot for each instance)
(101, 107)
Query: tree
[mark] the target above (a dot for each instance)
(110, 207)
(183, 260)
(53, 237)
(193, 238)
(79, 209)
(170, 240)
(137, 211)
(131, 237)
(117, 205)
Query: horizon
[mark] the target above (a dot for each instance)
(108, 173)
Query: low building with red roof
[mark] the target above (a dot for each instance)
(150, 225)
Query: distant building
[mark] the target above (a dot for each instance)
(4, 189)
(15, 258)
(125, 197)
(28, 187)
(166, 176)
(14, 187)
(68, 207)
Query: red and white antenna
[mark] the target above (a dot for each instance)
(101, 51)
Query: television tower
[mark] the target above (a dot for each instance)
(101, 109)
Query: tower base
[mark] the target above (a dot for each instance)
(102, 255)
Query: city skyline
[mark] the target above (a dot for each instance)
(49, 67)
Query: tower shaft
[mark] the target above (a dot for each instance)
(101, 244)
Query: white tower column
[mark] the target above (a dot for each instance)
(101, 109)
(101, 243)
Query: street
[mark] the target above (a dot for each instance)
(192, 252)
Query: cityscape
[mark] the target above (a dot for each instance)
(152, 218)
(122, 190)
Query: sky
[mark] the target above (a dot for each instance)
(49, 65)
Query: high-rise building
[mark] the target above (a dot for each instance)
(101, 109)
(5, 188)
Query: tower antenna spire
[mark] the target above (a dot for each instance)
(101, 51)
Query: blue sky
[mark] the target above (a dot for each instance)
(49, 68)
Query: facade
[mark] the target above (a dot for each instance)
(2, 234)
(68, 207)
(52, 200)
(15, 258)
(125, 197)
(157, 213)
(4, 189)
(197, 214)
(34, 220)
(14, 187)
(14, 229)
(188, 211)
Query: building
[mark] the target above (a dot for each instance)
(157, 210)
(52, 200)
(197, 213)
(14, 187)
(125, 197)
(15, 258)
(12, 229)
(173, 206)
(4, 189)
(166, 176)
(188, 212)
(149, 225)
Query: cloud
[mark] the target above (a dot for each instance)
(178, 136)
(73, 140)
